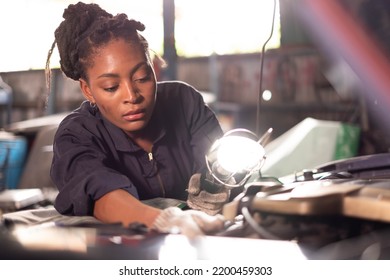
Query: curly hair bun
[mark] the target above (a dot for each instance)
(84, 14)
(78, 19)
(84, 29)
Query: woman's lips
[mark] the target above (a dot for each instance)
(134, 115)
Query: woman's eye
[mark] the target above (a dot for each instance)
(143, 79)
(111, 89)
(144, 75)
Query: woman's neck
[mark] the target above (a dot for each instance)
(143, 139)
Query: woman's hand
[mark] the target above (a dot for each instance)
(192, 223)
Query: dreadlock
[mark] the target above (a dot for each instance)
(85, 29)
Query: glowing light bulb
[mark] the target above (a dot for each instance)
(233, 158)
(237, 153)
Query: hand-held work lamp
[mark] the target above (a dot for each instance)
(233, 158)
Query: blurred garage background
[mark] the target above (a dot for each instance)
(294, 65)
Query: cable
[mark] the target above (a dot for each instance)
(259, 229)
(261, 71)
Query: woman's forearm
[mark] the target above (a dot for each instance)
(120, 206)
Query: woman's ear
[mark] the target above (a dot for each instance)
(86, 90)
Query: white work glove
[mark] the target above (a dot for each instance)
(191, 223)
(201, 199)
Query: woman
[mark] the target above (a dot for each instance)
(133, 138)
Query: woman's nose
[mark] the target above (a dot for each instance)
(131, 94)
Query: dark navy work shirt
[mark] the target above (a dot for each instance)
(93, 157)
